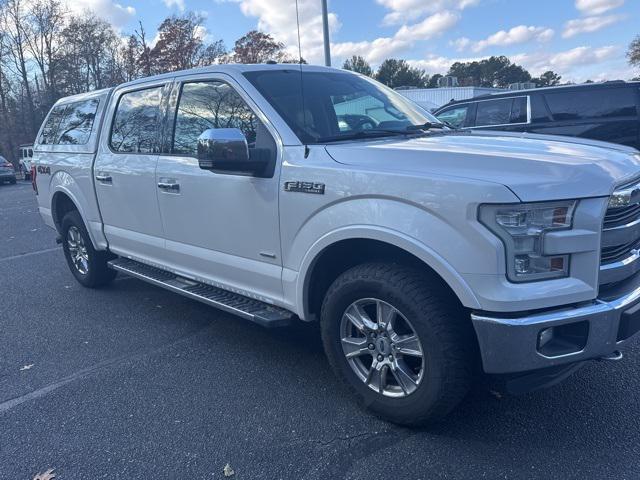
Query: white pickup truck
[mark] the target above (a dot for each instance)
(287, 193)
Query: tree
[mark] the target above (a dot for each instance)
(398, 73)
(259, 47)
(13, 22)
(548, 79)
(490, 72)
(47, 20)
(213, 53)
(179, 45)
(144, 56)
(433, 81)
(358, 64)
(633, 54)
(89, 48)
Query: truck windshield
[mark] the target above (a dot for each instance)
(322, 107)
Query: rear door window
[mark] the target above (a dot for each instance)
(48, 135)
(135, 124)
(455, 116)
(494, 112)
(501, 111)
(592, 103)
(77, 123)
(519, 110)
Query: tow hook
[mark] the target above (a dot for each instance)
(614, 356)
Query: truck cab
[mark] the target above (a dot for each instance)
(302, 193)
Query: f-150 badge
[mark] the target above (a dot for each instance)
(304, 187)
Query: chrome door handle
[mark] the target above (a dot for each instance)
(169, 186)
(104, 178)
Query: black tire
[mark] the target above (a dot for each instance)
(441, 324)
(97, 272)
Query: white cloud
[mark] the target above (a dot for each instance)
(403, 11)
(374, 51)
(439, 64)
(430, 27)
(179, 4)
(116, 14)
(577, 64)
(589, 24)
(564, 62)
(597, 7)
(278, 18)
(503, 38)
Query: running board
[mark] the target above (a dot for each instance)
(254, 310)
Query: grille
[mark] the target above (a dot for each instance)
(618, 252)
(616, 217)
(620, 235)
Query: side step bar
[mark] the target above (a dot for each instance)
(254, 310)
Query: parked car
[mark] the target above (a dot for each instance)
(607, 111)
(26, 154)
(7, 172)
(426, 254)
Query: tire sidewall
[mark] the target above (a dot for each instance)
(401, 409)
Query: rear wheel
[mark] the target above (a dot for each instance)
(404, 347)
(87, 264)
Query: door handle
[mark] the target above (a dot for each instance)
(169, 187)
(104, 178)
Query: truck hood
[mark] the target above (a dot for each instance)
(534, 167)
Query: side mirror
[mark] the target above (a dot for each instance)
(226, 150)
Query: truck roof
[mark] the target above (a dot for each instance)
(84, 96)
(235, 68)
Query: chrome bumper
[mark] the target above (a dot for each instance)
(515, 343)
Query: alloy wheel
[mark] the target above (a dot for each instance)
(77, 250)
(382, 347)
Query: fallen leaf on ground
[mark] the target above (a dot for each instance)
(48, 475)
(498, 395)
(26, 367)
(228, 471)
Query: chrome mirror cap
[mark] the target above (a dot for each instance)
(222, 148)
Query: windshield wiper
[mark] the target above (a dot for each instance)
(428, 126)
(371, 133)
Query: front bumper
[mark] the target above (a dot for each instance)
(520, 343)
(7, 176)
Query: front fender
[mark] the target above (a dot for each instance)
(392, 237)
(448, 244)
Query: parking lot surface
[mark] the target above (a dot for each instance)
(133, 382)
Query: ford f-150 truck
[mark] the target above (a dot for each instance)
(427, 255)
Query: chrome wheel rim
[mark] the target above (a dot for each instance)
(382, 347)
(77, 250)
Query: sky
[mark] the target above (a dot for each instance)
(579, 39)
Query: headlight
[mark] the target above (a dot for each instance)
(521, 227)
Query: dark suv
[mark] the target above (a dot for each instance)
(607, 111)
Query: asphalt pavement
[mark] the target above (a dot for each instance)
(133, 382)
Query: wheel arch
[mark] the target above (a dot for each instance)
(62, 202)
(340, 250)
(73, 188)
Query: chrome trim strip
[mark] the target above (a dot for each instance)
(621, 234)
(567, 314)
(614, 272)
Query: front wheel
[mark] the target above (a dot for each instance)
(88, 265)
(402, 345)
